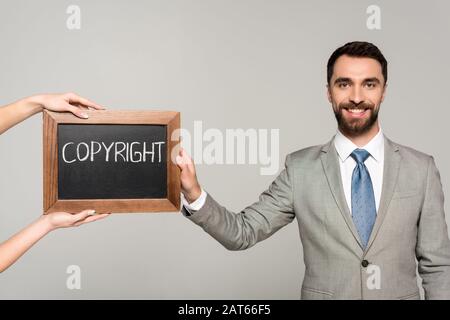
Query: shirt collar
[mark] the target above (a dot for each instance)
(344, 146)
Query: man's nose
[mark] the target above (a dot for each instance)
(356, 96)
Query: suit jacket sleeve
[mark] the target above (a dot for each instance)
(238, 231)
(433, 245)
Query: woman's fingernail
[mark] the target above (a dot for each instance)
(91, 212)
(84, 115)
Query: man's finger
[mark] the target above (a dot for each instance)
(180, 162)
(186, 158)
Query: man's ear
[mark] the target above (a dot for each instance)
(384, 92)
(329, 93)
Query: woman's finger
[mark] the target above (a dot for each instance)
(77, 111)
(92, 219)
(83, 215)
(74, 98)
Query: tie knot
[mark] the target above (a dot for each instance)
(360, 155)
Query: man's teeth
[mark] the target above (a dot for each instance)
(355, 110)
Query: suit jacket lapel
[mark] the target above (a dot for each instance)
(330, 163)
(390, 175)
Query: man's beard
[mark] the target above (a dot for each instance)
(356, 127)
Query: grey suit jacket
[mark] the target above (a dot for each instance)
(410, 228)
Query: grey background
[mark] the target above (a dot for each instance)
(231, 64)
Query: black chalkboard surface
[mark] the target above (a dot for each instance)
(109, 161)
(118, 161)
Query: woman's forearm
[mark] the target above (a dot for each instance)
(13, 248)
(16, 112)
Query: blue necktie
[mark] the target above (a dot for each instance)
(363, 200)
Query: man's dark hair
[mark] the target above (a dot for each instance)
(359, 49)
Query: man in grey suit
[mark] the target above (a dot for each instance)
(370, 211)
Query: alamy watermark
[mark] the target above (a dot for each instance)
(73, 21)
(73, 281)
(373, 21)
(231, 146)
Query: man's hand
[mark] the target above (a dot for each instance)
(67, 102)
(57, 220)
(189, 184)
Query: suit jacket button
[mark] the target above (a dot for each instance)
(365, 263)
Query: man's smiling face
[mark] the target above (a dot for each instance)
(356, 90)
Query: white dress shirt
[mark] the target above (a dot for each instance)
(374, 163)
(344, 147)
(195, 205)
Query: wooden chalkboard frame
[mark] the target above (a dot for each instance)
(171, 119)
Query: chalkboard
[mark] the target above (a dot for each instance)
(110, 161)
(115, 161)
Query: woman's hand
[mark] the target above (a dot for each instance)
(57, 220)
(16, 112)
(13, 248)
(67, 102)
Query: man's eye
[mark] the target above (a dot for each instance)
(370, 85)
(343, 85)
